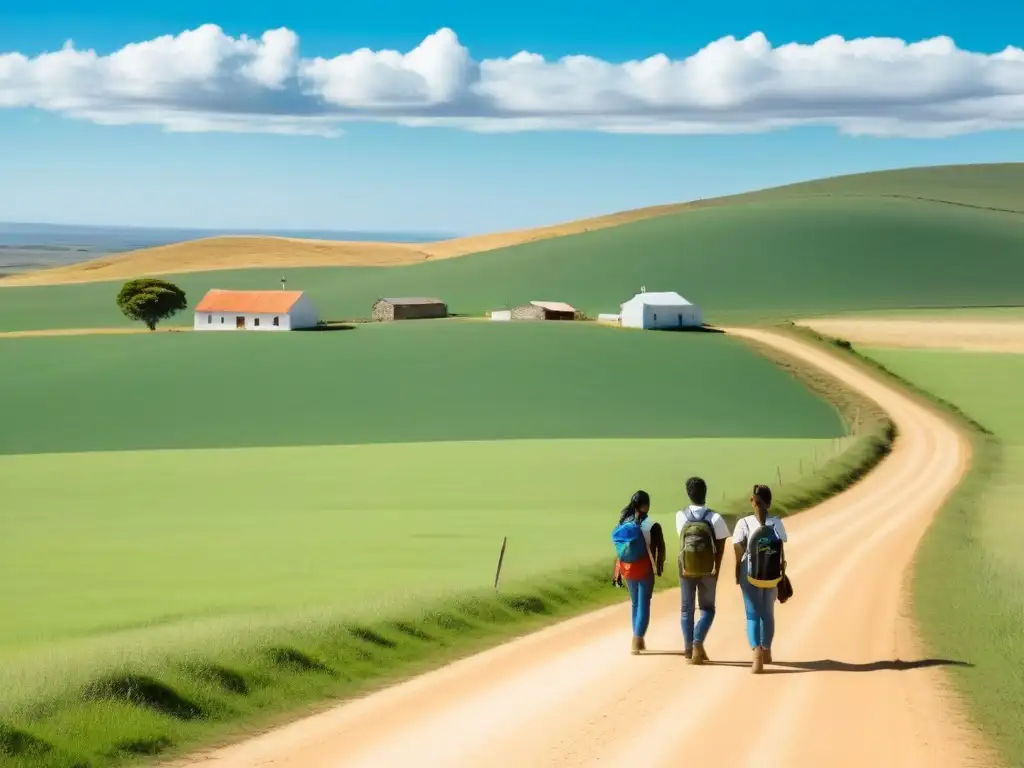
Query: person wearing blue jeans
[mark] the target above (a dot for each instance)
(758, 602)
(639, 576)
(700, 591)
(640, 593)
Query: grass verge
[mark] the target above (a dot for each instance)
(174, 703)
(956, 587)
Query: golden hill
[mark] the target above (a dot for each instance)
(243, 252)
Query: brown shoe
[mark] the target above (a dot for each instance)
(688, 654)
(766, 655)
(637, 646)
(699, 654)
(643, 645)
(758, 665)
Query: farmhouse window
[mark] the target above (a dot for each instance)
(256, 322)
(277, 321)
(222, 321)
(209, 319)
(655, 318)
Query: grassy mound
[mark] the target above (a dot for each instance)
(794, 256)
(400, 383)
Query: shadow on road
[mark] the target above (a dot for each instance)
(831, 665)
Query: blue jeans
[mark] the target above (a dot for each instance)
(701, 591)
(640, 593)
(760, 608)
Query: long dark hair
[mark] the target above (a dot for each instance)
(640, 499)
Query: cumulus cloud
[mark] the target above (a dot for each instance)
(205, 80)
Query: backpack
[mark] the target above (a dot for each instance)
(629, 541)
(765, 560)
(697, 547)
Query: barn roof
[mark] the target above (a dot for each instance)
(252, 302)
(661, 299)
(553, 306)
(414, 300)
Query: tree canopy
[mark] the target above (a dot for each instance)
(149, 300)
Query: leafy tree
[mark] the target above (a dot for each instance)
(149, 300)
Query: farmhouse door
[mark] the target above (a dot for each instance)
(240, 322)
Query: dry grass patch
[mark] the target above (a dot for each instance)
(996, 335)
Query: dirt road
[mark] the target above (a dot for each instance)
(850, 688)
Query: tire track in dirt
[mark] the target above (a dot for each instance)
(847, 689)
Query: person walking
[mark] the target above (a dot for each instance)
(640, 544)
(703, 537)
(760, 566)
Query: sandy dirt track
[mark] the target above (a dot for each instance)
(1001, 335)
(849, 688)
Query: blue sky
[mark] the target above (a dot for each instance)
(379, 175)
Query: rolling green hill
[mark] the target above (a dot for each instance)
(395, 383)
(836, 245)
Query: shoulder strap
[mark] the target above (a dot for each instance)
(650, 555)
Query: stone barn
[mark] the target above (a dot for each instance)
(408, 309)
(544, 310)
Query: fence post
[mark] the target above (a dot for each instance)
(501, 558)
(778, 473)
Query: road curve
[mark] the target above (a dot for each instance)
(571, 695)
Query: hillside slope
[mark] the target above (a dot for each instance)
(740, 263)
(996, 187)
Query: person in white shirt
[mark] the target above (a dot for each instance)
(701, 589)
(759, 602)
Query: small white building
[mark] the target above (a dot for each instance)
(254, 311)
(501, 315)
(663, 309)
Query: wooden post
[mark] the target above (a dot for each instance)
(778, 473)
(801, 467)
(501, 558)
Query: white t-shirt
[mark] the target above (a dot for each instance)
(749, 524)
(716, 520)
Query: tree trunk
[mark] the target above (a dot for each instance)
(151, 324)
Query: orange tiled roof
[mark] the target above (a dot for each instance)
(251, 302)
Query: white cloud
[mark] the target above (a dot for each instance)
(205, 80)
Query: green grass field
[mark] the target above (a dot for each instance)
(970, 581)
(276, 533)
(837, 245)
(451, 381)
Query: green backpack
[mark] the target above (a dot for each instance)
(697, 547)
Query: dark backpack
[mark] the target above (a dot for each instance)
(765, 558)
(697, 547)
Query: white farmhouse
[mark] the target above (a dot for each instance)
(254, 311)
(666, 309)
